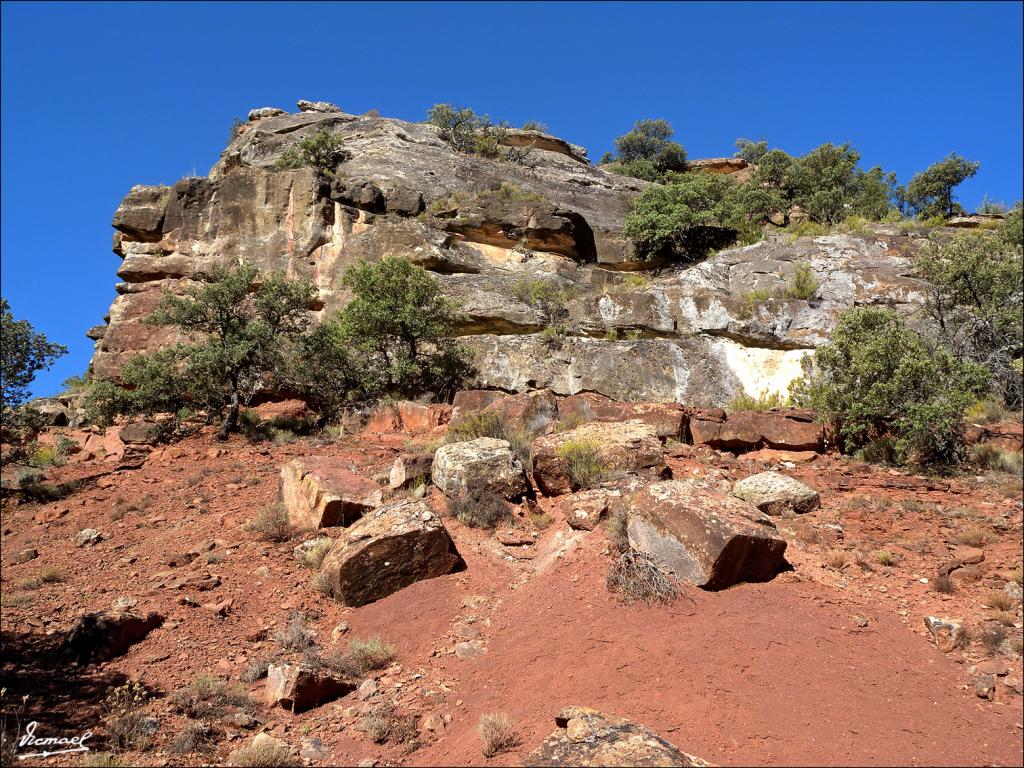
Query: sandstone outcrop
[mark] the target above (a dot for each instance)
(791, 430)
(103, 636)
(387, 550)
(298, 687)
(484, 464)
(630, 447)
(770, 492)
(486, 228)
(587, 737)
(703, 536)
(321, 492)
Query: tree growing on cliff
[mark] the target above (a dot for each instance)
(323, 152)
(877, 380)
(929, 193)
(239, 325)
(648, 152)
(681, 216)
(23, 353)
(976, 302)
(394, 337)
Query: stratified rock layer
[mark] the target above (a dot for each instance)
(487, 230)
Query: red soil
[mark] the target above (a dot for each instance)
(778, 673)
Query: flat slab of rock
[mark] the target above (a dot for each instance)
(587, 737)
(771, 492)
(626, 446)
(584, 510)
(321, 492)
(387, 550)
(298, 687)
(103, 636)
(703, 536)
(485, 463)
(790, 430)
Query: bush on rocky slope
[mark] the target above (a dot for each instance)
(877, 378)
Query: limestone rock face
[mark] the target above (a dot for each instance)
(485, 463)
(629, 446)
(320, 492)
(768, 491)
(387, 550)
(587, 737)
(704, 537)
(486, 229)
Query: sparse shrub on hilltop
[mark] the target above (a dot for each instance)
(877, 378)
(930, 192)
(474, 134)
(323, 152)
(647, 152)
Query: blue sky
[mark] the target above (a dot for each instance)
(98, 97)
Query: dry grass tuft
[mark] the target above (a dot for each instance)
(207, 697)
(635, 576)
(497, 732)
(295, 636)
(383, 725)
(999, 600)
(943, 584)
(972, 537)
(271, 523)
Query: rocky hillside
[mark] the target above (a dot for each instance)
(489, 230)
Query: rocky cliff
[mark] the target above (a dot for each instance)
(486, 228)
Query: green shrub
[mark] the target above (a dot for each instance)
(685, 217)
(804, 283)
(323, 152)
(474, 134)
(271, 523)
(647, 152)
(930, 192)
(583, 462)
(876, 378)
(976, 285)
(25, 352)
(751, 151)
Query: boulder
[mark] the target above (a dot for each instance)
(629, 446)
(283, 411)
(703, 536)
(23, 556)
(54, 413)
(770, 492)
(141, 433)
(388, 549)
(486, 463)
(87, 537)
(261, 112)
(298, 687)
(320, 492)
(411, 468)
(668, 419)
(583, 511)
(947, 633)
(587, 737)
(317, 106)
(791, 430)
(103, 636)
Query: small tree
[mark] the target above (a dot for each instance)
(400, 327)
(751, 151)
(474, 134)
(682, 216)
(239, 324)
(930, 193)
(878, 379)
(324, 152)
(647, 151)
(23, 352)
(976, 284)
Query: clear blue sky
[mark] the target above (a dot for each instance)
(98, 97)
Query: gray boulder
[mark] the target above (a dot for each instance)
(771, 492)
(486, 463)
